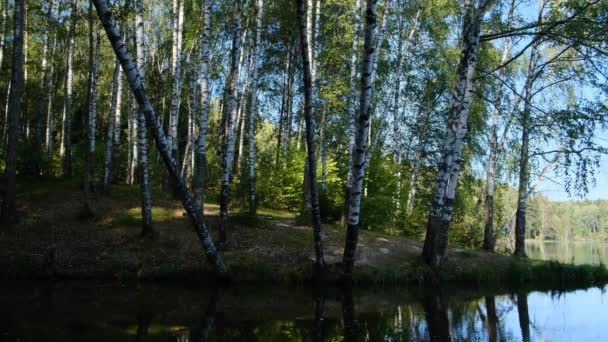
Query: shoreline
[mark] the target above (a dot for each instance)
(52, 242)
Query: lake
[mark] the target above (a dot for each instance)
(591, 252)
(151, 312)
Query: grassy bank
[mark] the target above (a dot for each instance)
(52, 242)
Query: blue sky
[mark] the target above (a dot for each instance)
(556, 192)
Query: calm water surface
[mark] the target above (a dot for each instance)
(96, 312)
(569, 252)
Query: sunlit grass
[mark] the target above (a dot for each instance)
(276, 213)
(132, 217)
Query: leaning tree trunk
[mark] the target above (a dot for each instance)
(205, 99)
(230, 115)
(488, 231)
(254, 105)
(8, 211)
(66, 124)
(137, 87)
(107, 163)
(310, 137)
(359, 158)
(442, 204)
(142, 139)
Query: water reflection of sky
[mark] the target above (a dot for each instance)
(576, 316)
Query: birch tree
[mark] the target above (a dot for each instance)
(8, 211)
(442, 204)
(3, 30)
(311, 170)
(46, 80)
(66, 122)
(204, 108)
(351, 115)
(142, 139)
(254, 105)
(139, 92)
(176, 67)
(359, 151)
(488, 240)
(230, 111)
(112, 116)
(50, 120)
(89, 179)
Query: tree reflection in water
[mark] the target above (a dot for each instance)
(437, 321)
(524, 318)
(158, 313)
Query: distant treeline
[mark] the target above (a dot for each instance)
(568, 220)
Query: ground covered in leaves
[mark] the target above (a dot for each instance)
(53, 240)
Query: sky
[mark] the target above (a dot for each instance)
(556, 192)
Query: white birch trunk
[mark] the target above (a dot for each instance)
(93, 108)
(142, 139)
(3, 31)
(45, 77)
(380, 38)
(66, 125)
(242, 109)
(351, 131)
(524, 159)
(176, 60)
(117, 125)
(50, 121)
(230, 114)
(493, 154)
(205, 101)
(413, 189)
(359, 152)
(442, 205)
(254, 105)
(107, 164)
(311, 170)
(8, 210)
(282, 141)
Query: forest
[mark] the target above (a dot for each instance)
(567, 220)
(428, 121)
